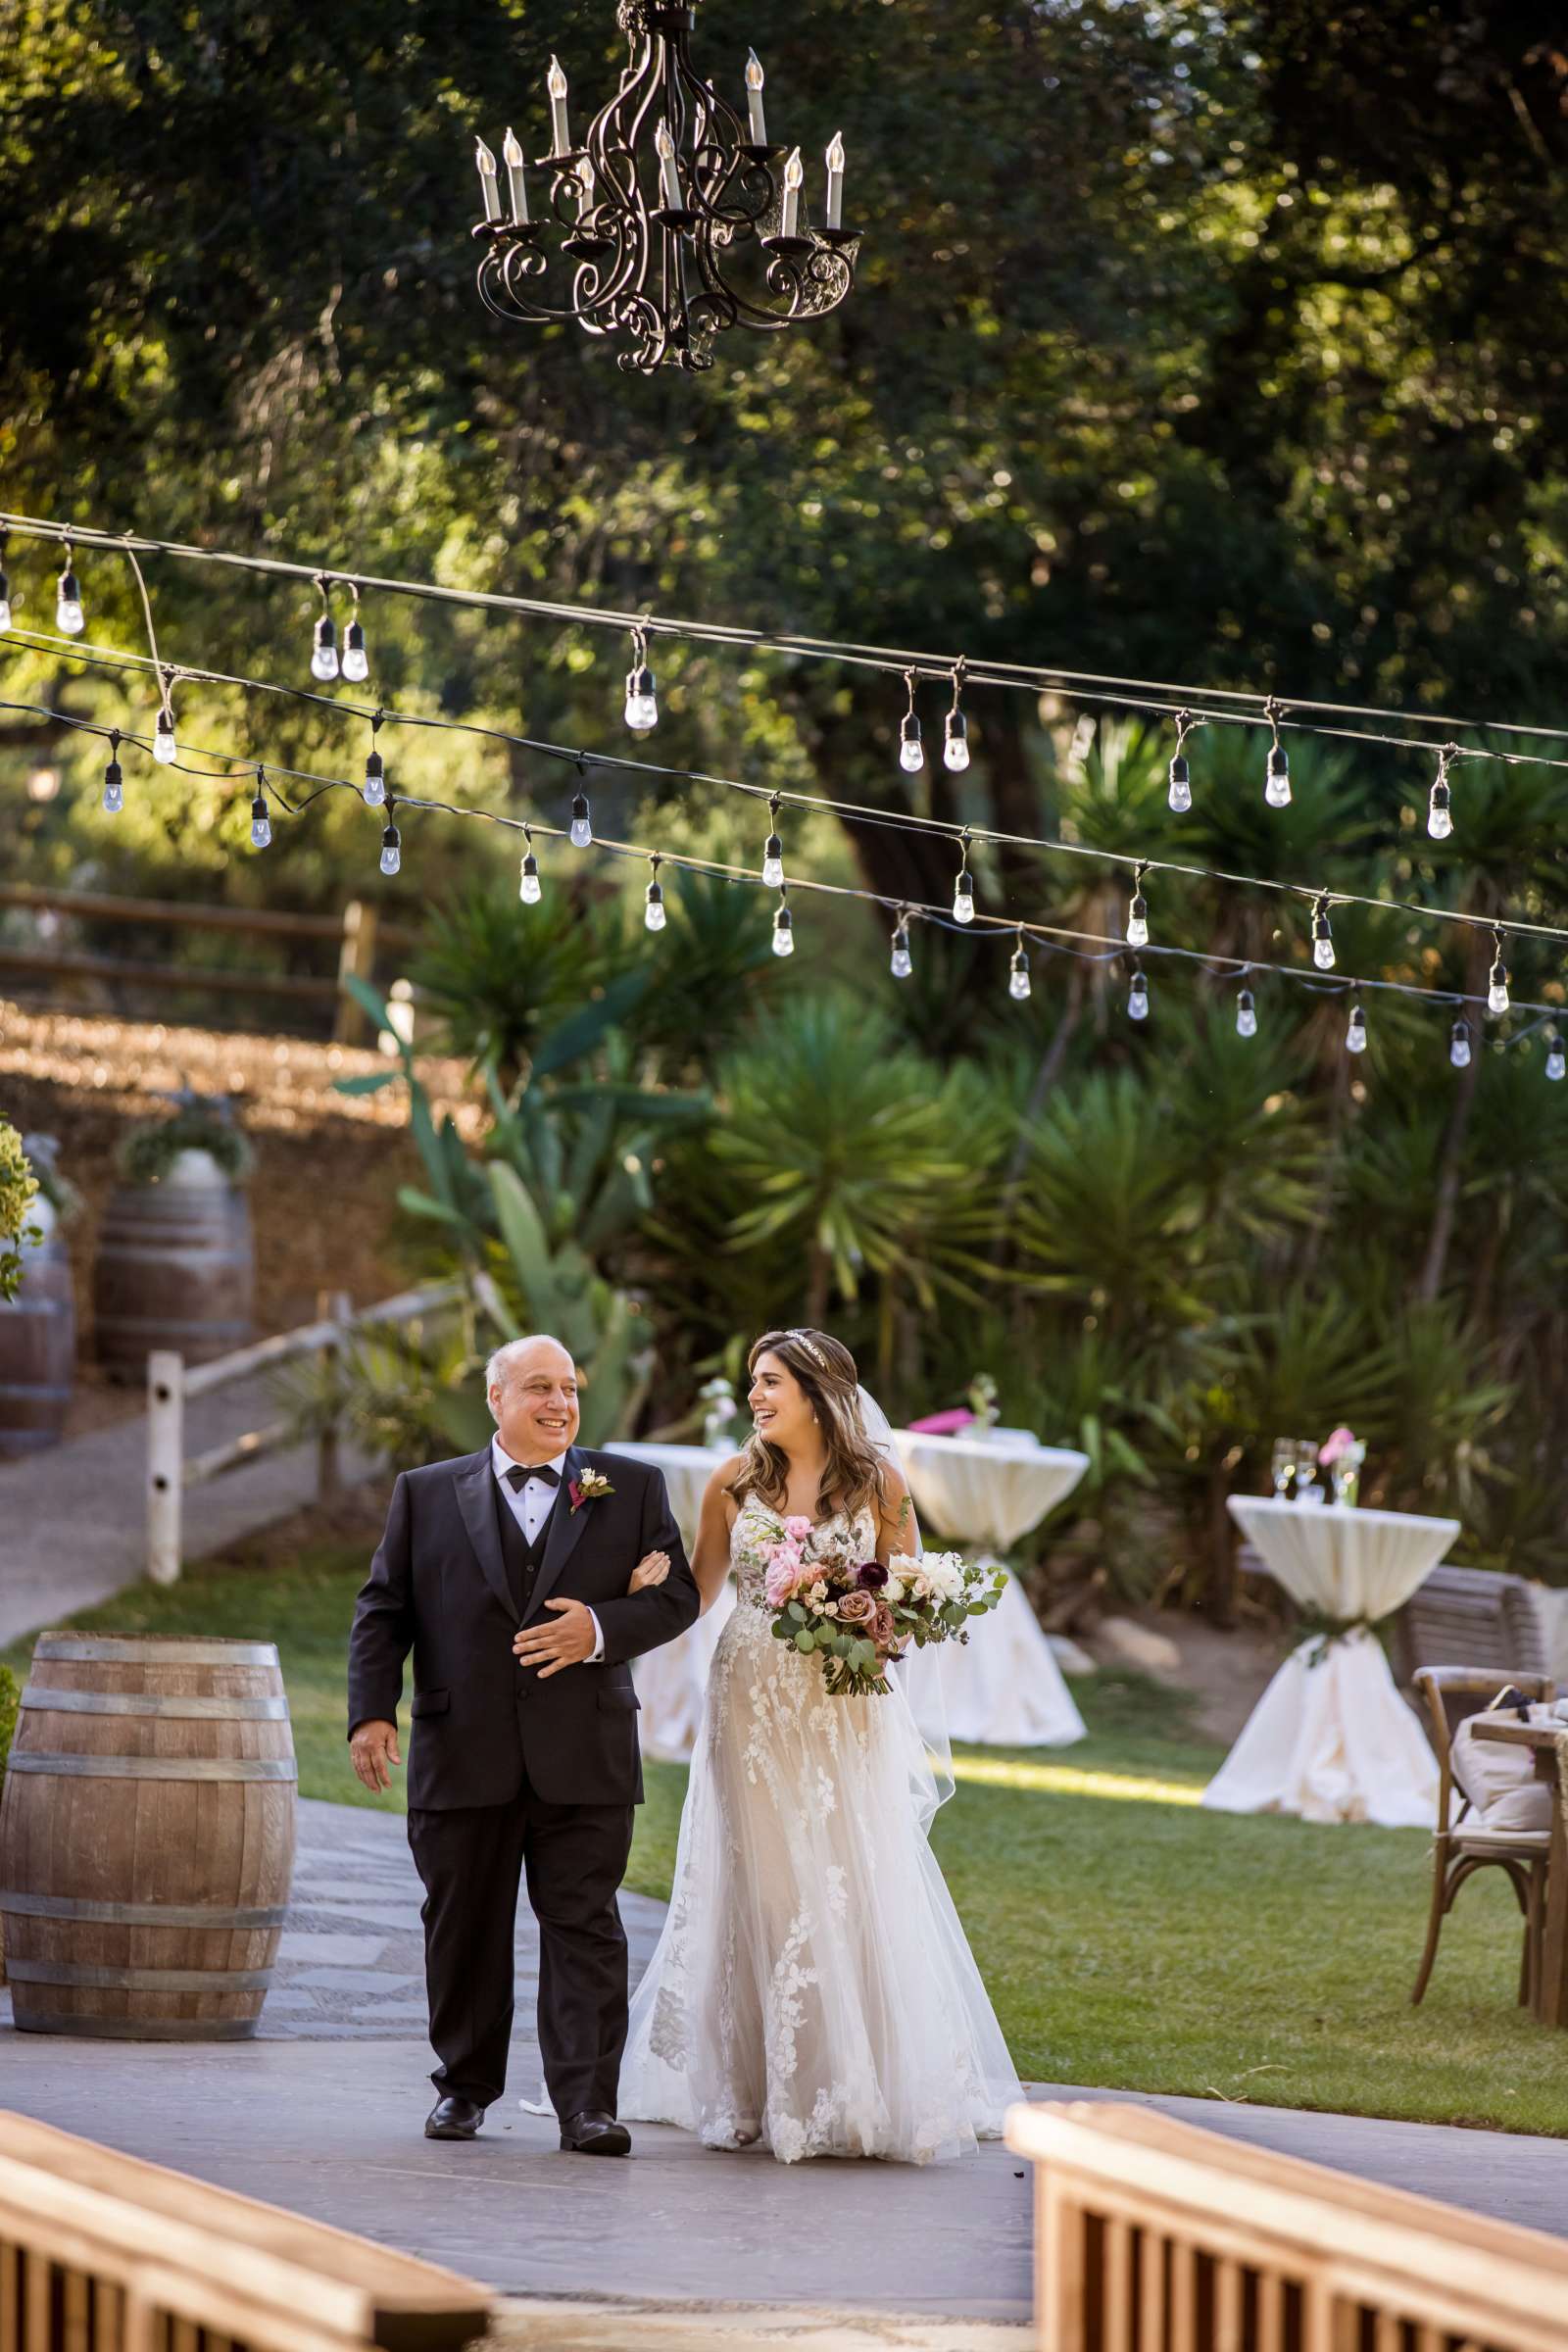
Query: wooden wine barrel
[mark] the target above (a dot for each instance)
(146, 1837)
(37, 1350)
(175, 1268)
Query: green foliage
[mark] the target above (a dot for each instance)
(19, 1189)
(9, 1705)
(148, 1152)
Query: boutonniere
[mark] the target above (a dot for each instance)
(592, 1486)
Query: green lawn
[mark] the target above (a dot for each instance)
(1129, 1939)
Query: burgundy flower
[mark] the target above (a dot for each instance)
(857, 1609)
(884, 1628)
(871, 1577)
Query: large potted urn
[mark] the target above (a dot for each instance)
(38, 1318)
(175, 1264)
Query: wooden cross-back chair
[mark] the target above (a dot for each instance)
(1447, 1695)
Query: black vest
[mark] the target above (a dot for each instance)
(522, 1558)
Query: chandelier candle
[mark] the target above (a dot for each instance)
(835, 181)
(556, 84)
(511, 155)
(487, 179)
(754, 78)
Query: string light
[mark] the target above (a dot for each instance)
(1497, 977)
(582, 831)
(1277, 779)
(654, 902)
(772, 848)
(1137, 995)
(642, 701)
(955, 738)
(1018, 975)
(783, 928)
(912, 753)
(69, 619)
(1440, 814)
(114, 777)
(1137, 912)
(5, 585)
(528, 889)
(903, 961)
(1246, 1014)
(1322, 936)
(1180, 796)
(373, 790)
(1556, 1062)
(324, 655)
(963, 885)
(391, 842)
(1355, 1032)
(165, 750)
(261, 823)
(356, 661)
(1459, 1045)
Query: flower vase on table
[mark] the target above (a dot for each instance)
(1342, 1456)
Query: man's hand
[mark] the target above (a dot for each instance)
(566, 1642)
(374, 1749)
(650, 1571)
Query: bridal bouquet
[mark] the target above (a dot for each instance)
(855, 1614)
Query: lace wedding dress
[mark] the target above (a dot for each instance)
(813, 1987)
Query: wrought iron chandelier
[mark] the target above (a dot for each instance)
(674, 215)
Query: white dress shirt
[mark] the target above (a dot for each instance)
(531, 1504)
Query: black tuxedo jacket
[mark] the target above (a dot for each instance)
(438, 1587)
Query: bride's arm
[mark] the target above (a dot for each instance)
(710, 1553)
(898, 1529)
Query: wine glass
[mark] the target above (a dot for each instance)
(1281, 1462)
(1307, 1489)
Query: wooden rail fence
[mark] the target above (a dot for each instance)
(171, 1383)
(1154, 2236)
(104, 2253)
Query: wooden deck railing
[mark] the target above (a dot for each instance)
(1154, 2236)
(103, 2253)
(171, 1383)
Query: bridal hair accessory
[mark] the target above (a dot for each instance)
(811, 1347)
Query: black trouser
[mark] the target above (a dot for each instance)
(470, 1860)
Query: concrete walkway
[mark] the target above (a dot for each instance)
(74, 1518)
(323, 2113)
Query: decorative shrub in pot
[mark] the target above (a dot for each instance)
(175, 1264)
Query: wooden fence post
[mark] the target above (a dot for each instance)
(338, 1308)
(165, 1462)
(356, 962)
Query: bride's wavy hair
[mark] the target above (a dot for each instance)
(852, 1475)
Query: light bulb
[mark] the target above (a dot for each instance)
(1322, 942)
(69, 619)
(783, 933)
(1355, 1034)
(375, 781)
(773, 863)
(391, 850)
(1138, 998)
(165, 750)
(963, 897)
(1137, 922)
(1440, 814)
(528, 890)
(260, 823)
(1556, 1063)
(324, 660)
(1277, 784)
(956, 746)
(1181, 785)
(654, 913)
(911, 756)
(113, 789)
(1498, 986)
(582, 831)
(1246, 1014)
(642, 705)
(356, 663)
(1018, 977)
(1459, 1046)
(902, 961)
(5, 604)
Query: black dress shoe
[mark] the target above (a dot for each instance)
(594, 2134)
(454, 2118)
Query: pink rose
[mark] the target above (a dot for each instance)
(884, 1627)
(1334, 1444)
(858, 1608)
(797, 1529)
(783, 1575)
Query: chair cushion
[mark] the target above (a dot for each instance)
(1526, 1843)
(1501, 1782)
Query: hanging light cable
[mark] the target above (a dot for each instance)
(323, 654)
(1276, 777)
(956, 737)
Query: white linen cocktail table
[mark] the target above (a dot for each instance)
(1005, 1689)
(1331, 1739)
(672, 1682)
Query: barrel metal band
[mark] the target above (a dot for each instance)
(37, 2018)
(217, 1917)
(158, 1768)
(139, 1979)
(146, 1702)
(129, 1650)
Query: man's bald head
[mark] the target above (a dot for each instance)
(532, 1386)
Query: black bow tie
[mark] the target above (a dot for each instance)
(518, 1476)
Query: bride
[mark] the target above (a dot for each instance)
(811, 1990)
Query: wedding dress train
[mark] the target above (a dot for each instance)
(813, 1987)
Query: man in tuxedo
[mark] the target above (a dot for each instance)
(510, 1575)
